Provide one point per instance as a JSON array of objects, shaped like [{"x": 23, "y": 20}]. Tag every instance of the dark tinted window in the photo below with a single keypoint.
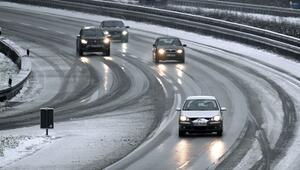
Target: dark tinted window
[
  {"x": 112, "y": 24},
  {"x": 169, "y": 41},
  {"x": 93, "y": 32},
  {"x": 201, "y": 104}
]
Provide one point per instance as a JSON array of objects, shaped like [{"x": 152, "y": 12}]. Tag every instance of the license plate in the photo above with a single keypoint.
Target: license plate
[
  {"x": 200, "y": 124},
  {"x": 171, "y": 55}
]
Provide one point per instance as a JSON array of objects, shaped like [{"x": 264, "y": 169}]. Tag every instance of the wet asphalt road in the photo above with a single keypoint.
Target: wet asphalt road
[{"x": 79, "y": 86}]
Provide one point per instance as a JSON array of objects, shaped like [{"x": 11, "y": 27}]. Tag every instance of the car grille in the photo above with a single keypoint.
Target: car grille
[
  {"x": 171, "y": 51},
  {"x": 114, "y": 32},
  {"x": 192, "y": 119},
  {"x": 94, "y": 42}
]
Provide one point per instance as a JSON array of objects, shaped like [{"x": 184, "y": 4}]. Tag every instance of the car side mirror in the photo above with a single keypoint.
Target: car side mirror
[
  {"x": 178, "y": 109},
  {"x": 223, "y": 109},
  {"x": 154, "y": 45},
  {"x": 127, "y": 27},
  {"x": 184, "y": 45}
]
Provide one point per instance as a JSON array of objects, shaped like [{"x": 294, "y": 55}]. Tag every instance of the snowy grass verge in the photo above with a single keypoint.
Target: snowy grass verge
[
  {"x": 284, "y": 25},
  {"x": 13, "y": 148}
]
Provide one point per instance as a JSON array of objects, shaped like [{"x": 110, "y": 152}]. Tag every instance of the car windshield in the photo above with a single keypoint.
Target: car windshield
[
  {"x": 92, "y": 32},
  {"x": 112, "y": 24},
  {"x": 200, "y": 104},
  {"x": 169, "y": 41}
]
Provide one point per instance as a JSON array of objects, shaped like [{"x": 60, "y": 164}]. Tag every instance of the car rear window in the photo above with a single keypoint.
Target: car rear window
[
  {"x": 169, "y": 41},
  {"x": 92, "y": 33},
  {"x": 201, "y": 104},
  {"x": 112, "y": 24}
]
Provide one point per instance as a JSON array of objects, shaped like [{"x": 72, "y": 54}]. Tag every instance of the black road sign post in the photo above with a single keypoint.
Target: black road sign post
[{"x": 47, "y": 119}]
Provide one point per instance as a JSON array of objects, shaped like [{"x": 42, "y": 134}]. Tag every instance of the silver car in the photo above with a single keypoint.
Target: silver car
[{"x": 201, "y": 114}]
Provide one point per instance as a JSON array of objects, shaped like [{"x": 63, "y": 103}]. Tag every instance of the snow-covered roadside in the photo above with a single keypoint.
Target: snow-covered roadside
[
  {"x": 7, "y": 68},
  {"x": 75, "y": 144},
  {"x": 259, "y": 17},
  {"x": 275, "y": 60}
]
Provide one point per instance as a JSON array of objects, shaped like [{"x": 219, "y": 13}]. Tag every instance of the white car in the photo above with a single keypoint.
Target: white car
[{"x": 201, "y": 114}]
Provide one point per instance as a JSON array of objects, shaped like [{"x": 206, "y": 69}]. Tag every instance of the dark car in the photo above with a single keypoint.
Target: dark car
[
  {"x": 92, "y": 39},
  {"x": 168, "y": 48},
  {"x": 115, "y": 29}
]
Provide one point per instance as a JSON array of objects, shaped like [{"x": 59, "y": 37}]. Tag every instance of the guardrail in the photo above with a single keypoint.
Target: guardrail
[
  {"x": 245, "y": 7},
  {"x": 18, "y": 56}
]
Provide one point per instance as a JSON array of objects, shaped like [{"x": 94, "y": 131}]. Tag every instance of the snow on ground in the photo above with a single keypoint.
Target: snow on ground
[
  {"x": 7, "y": 68},
  {"x": 252, "y": 156},
  {"x": 275, "y": 60},
  {"x": 261, "y": 17}
]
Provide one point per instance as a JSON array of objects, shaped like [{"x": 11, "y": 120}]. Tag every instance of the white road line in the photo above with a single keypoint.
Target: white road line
[
  {"x": 133, "y": 56},
  {"x": 43, "y": 28},
  {"x": 26, "y": 24},
  {"x": 164, "y": 88},
  {"x": 60, "y": 32},
  {"x": 183, "y": 165},
  {"x": 178, "y": 104},
  {"x": 175, "y": 88},
  {"x": 169, "y": 80}
]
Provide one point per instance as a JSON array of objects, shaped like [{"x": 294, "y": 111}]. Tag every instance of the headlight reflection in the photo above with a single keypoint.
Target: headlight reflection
[
  {"x": 84, "y": 60},
  {"x": 182, "y": 153},
  {"x": 216, "y": 150}
]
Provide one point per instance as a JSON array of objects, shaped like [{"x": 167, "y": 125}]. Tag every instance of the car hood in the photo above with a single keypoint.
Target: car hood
[
  {"x": 114, "y": 29},
  {"x": 199, "y": 113},
  {"x": 169, "y": 47},
  {"x": 92, "y": 38}
]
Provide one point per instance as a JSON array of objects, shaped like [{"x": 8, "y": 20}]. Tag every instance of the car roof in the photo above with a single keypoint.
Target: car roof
[
  {"x": 90, "y": 27},
  {"x": 167, "y": 37},
  {"x": 112, "y": 21},
  {"x": 201, "y": 97}
]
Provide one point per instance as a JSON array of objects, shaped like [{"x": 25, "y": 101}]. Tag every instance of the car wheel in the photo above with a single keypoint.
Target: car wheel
[
  {"x": 107, "y": 52},
  {"x": 182, "y": 60},
  {"x": 80, "y": 52},
  {"x": 220, "y": 132},
  {"x": 125, "y": 40},
  {"x": 156, "y": 60},
  {"x": 181, "y": 133}
]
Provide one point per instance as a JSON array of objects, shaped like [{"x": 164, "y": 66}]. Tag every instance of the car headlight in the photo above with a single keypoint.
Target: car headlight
[
  {"x": 161, "y": 51},
  {"x": 216, "y": 118},
  {"x": 124, "y": 33},
  {"x": 179, "y": 51},
  {"x": 83, "y": 41},
  {"x": 183, "y": 118},
  {"x": 106, "y": 40},
  {"x": 105, "y": 32}
]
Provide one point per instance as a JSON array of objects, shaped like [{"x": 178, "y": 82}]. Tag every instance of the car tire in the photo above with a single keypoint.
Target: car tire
[
  {"x": 125, "y": 40},
  {"x": 182, "y": 60},
  {"x": 220, "y": 132},
  {"x": 107, "y": 52},
  {"x": 80, "y": 52},
  {"x": 181, "y": 133},
  {"x": 155, "y": 59}
]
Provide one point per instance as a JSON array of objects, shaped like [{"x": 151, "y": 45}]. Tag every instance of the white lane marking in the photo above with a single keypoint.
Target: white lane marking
[
  {"x": 59, "y": 32},
  {"x": 169, "y": 80},
  {"x": 26, "y": 24},
  {"x": 133, "y": 56},
  {"x": 175, "y": 88},
  {"x": 6, "y": 20},
  {"x": 183, "y": 165},
  {"x": 178, "y": 96},
  {"x": 164, "y": 88},
  {"x": 43, "y": 28}
]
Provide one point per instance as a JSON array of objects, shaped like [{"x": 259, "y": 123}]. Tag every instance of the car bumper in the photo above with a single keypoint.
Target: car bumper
[
  {"x": 170, "y": 56},
  {"x": 210, "y": 127},
  {"x": 119, "y": 37},
  {"x": 89, "y": 48}
]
